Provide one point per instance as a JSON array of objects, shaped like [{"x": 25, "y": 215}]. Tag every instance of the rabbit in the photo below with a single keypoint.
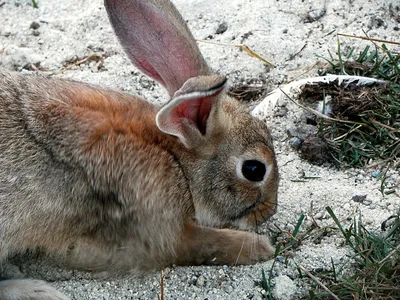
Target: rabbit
[{"x": 104, "y": 180}]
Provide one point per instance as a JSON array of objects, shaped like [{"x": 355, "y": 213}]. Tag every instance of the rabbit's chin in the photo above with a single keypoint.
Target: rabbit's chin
[
  {"x": 209, "y": 219},
  {"x": 251, "y": 218},
  {"x": 244, "y": 224},
  {"x": 255, "y": 218}
]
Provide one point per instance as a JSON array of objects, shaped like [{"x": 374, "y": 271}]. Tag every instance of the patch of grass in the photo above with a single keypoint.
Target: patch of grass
[
  {"x": 371, "y": 272},
  {"x": 35, "y": 4},
  {"x": 365, "y": 128},
  {"x": 376, "y": 263},
  {"x": 368, "y": 119},
  {"x": 290, "y": 243},
  {"x": 377, "y": 62}
]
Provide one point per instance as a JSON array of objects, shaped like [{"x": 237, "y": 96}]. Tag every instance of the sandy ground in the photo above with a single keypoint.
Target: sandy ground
[{"x": 290, "y": 33}]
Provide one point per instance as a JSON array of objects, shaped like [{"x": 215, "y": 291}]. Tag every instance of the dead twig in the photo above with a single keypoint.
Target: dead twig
[
  {"x": 383, "y": 125},
  {"x": 389, "y": 255},
  {"x": 368, "y": 39},
  {"x": 317, "y": 113},
  {"x": 161, "y": 296},
  {"x": 93, "y": 56},
  {"x": 318, "y": 282},
  {"x": 244, "y": 48}
]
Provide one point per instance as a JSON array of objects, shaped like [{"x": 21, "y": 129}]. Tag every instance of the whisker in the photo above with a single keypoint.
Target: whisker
[
  {"x": 256, "y": 222},
  {"x": 256, "y": 238},
  {"x": 240, "y": 251},
  {"x": 256, "y": 243}
]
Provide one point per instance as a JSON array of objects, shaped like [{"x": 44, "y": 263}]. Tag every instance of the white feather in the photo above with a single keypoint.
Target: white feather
[{"x": 294, "y": 88}]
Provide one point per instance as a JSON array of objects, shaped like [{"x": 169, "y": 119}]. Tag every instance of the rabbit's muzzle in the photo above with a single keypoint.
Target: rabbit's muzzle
[{"x": 256, "y": 214}]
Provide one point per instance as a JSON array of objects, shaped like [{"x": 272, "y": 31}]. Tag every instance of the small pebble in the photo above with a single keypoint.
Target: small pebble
[
  {"x": 290, "y": 227},
  {"x": 295, "y": 143},
  {"x": 222, "y": 28},
  {"x": 359, "y": 198},
  {"x": 228, "y": 289},
  {"x": 376, "y": 174},
  {"x": 360, "y": 178},
  {"x": 34, "y": 25},
  {"x": 193, "y": 280},
  {"x": 280, "y": 259},
  {"x": 200, "y": 281}
]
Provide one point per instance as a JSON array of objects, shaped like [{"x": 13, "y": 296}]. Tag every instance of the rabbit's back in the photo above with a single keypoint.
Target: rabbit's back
[{"x": 78, "y": 160}]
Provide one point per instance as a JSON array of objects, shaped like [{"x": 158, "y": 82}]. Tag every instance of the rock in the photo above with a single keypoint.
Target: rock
[
  {"x": 34, "y": 25},
  {"x": 200, "y": 281},
  {"x": 228, "y": 289},
  {"x": 359, "y": 198},
  {"x": 314, "y": 15},
  {"x": 222, "y": 28},
  {"x": 295, "y": 143},
  {"x": 290, "y": 227},
  {"x": 315, "y": 149},
  {"x": 284, "y": 288}
]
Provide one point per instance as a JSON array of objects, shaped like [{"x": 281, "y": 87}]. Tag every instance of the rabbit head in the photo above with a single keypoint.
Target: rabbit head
[{"x": 227, "y": 155}]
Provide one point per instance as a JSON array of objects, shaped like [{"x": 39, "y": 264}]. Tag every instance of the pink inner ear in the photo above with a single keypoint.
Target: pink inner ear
[
  {"x": 145, "y": 66},
  {"x": 157, "y": 40},
  {"x": 196, "y": 111}
]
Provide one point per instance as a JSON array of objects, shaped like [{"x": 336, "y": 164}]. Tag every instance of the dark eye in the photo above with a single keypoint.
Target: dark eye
[{"x": 253, "y": 170}]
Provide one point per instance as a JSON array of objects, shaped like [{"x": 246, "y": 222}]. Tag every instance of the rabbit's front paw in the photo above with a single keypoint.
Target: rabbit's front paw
[
  {"x": 204, "y": 245},
  {"x": 249, "y": 248}
]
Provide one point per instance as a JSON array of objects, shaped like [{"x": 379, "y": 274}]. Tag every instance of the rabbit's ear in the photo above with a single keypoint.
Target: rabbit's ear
[
  {"x": 157, "y": 40},
  {"x": 186, "y": 115}
]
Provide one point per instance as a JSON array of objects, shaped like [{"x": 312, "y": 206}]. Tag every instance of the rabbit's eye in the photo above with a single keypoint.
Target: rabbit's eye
[{"x": 253, "y": 170}]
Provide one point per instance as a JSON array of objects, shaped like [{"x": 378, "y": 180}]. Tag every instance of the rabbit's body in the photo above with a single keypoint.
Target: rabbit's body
[
  {"x": 107, "y": 181},
  {"x": 66, "y": 149}
]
